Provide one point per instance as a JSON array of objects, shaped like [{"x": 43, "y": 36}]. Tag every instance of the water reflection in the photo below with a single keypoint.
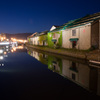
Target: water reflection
[
  {"x": 4, "y": 50},
  {"x": 78, "y": 72}
]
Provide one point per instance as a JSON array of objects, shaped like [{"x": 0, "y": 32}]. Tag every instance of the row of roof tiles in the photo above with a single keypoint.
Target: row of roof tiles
[
  {"x": 79, "y": 21},
  {"x": 38, "y": 33},
  {"x": 72, "y": 23}
]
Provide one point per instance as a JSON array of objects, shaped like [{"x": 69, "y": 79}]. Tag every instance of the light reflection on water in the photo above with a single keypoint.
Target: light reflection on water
[
  {"x": 5, "y": 50},
  {"x": 77, "y": 71},
  {"x": 24, "y": 76}
]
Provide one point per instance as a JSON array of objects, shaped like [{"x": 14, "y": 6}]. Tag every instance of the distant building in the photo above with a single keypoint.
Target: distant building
[
  {"x": 30, "y": 38},
  {"x": 42, "y": 38},
  {"x": 2, "y": 37},
  {"x": 38, "y": 38}
]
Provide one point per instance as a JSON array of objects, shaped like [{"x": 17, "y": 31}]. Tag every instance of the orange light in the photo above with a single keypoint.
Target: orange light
[
  {"x": 7, "y": 39},
  {"x": 5, "y": 53},
  {"x": 20, "y": 47},
  {"x": 12, "y": 50}
]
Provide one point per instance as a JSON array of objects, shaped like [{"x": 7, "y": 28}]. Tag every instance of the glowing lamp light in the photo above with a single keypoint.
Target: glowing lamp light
[
  {"x": 20, "y": 47},
  {"x": 1, "y": 51},
  {"x": 1, "y": 57},
  {"x": 12, "y": 50},
  {"x": 1, "y": 38},
  {"x": 7, "y": 46},
  {"x": 7, "y": 50},
  {"x": 4, "y": 37},
  {"x": 5, "y": 53},
  {"x": 7, "y": 39}
]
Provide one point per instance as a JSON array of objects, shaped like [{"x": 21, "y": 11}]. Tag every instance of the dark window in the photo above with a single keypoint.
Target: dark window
[
  {"x": 73, "y": 76},
  {"x": 54, "y": 67},
  {"x": 73, "y": 32},
  {"x": 43, "y": 42}
]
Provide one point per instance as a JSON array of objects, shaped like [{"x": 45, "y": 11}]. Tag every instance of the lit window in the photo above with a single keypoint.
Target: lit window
[{"x": 73, "y": 32}]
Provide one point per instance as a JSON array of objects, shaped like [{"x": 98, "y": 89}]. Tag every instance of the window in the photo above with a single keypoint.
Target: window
[
  {"x": 54, "y": 35},
  {"x": 38, "y": 42},
  {"x": 73, "y": 76},
  {"x": 73, "y": 32}
]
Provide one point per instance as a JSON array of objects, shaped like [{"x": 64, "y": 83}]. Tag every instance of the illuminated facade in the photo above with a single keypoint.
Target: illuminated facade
[
  {"x": 38, "y": 38},
  {"x": 82, "y": 34},
  {"x": 54, "y": 37},
  {"x": 77, "y": 37}
]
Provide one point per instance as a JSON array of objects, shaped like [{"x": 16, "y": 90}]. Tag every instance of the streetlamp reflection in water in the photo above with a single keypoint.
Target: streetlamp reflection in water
[{"x": 1, "y": 57}]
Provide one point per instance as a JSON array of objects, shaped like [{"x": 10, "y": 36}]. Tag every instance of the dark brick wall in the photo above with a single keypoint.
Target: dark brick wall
[{"x": 95, "y": 34}]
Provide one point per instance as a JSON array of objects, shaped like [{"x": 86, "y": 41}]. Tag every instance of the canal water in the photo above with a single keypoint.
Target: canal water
[{"x": 27, "y": 74}]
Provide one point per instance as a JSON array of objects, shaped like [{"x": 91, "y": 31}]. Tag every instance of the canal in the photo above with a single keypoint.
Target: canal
[{"x": 27, "y": 74}]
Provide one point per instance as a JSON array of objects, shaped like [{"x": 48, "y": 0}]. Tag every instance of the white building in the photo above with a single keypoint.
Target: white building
[
  {"x": 39, "y": 38},
  {"x": 77, "y": 37},
  {"x": 79, "y": 33}
]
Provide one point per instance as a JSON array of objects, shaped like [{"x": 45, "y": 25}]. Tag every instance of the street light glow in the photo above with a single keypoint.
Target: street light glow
[
  {"x": 1, "y": 51},
  {"x": 1, "y": 57}
]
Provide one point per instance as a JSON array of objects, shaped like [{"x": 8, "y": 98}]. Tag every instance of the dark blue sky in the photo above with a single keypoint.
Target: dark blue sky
[{"x": 21, "y": 16}]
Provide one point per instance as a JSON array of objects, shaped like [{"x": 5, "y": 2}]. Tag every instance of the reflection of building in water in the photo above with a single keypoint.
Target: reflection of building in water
[
  {"x": 55, "y": 64},
  {"x": 98, "y": 86},
  {"x": 94, "y": 83},
  {"x": 30, "y": 53},
  {"x": 77, "y": 72},
  {"x": 43, "y": 58},
  {"x": 5, "y": 49},
  {"x": 39, "y": 56},
  {"x": 81, "y": 74},
  {"x": 35, "y": 55},
  {"x": 86, "y": 76}
]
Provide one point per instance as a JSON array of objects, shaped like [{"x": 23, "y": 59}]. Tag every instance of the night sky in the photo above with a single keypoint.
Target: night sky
[{"x": 21, "y": 16}]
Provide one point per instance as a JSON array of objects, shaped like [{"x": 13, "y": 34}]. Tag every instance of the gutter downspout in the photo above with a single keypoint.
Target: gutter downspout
[{"x": 79, "y": 39}]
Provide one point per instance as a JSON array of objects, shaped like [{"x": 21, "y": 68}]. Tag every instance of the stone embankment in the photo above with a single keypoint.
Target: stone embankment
[{"x": 80, "y": 54}]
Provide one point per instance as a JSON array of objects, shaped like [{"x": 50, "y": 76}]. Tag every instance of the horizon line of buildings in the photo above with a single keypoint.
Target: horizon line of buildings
[{"x": 82, "y": 33}]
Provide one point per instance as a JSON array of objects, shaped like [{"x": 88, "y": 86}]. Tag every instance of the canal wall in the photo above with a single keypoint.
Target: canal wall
[{"x": 92, "y": 55}]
